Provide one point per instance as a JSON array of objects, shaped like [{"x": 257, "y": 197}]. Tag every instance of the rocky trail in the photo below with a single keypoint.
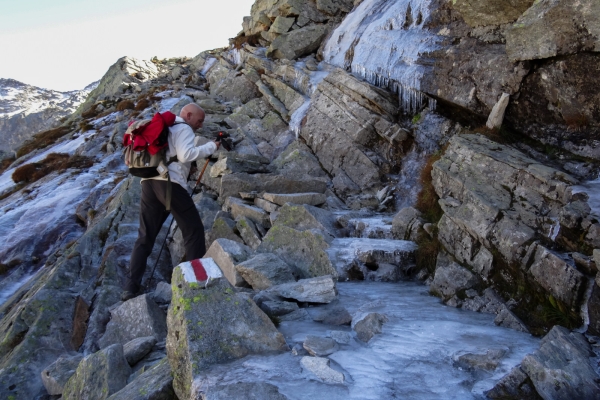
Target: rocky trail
[{"x": 374, "y": 241}]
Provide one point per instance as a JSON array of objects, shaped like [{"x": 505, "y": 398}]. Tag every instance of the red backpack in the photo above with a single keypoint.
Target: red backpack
[{"x": 145, "y": 146}]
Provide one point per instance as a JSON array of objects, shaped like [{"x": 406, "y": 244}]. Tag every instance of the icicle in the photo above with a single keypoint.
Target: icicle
[
  {"x": 208, "y": 64},
  {"x": 298, "y": 116}
]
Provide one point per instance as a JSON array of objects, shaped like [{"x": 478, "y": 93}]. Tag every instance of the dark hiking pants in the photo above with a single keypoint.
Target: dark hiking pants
[{"x": 152, "y": 217}]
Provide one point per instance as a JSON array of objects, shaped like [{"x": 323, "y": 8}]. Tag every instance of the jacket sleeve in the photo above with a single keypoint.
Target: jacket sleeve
[{"x": 186, "y": 151}]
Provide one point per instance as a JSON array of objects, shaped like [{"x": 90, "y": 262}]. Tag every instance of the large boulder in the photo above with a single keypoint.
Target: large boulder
[
  {"x": 450, "y": 278},
  {"x": 99, "y": 375},
  {"x": 303, "y": 217},
  {"x": 368, "y": 324},
  {"x": 298, "y": 43},
  {"x": 156, "y": 383},
  {"x": 561, "y": 368},
  {"x": 305, "y": 251},
  {"x": 213, "y": 325},
  {"x": 136, "y": 318},
  {"x": 265, "y": 270}
]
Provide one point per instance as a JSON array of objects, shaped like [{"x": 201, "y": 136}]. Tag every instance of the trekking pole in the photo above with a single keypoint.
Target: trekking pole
[{"x": 171, "y": 224}]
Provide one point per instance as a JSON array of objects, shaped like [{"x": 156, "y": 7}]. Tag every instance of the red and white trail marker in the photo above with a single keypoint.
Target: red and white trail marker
[{"x": 201, "y": 270}]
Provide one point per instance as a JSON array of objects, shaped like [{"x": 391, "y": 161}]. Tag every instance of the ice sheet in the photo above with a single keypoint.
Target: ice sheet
[{"x": 413, "y": 358}]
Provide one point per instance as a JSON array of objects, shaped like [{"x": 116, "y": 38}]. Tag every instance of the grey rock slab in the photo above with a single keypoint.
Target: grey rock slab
[
  {"x": 233, "y": 184},
  {"x": 242, "y": 390},
  {"x": 58, "y": 373},
  {"x": 239, "y": 209},
  {"x": 266, "y": 205},
  {"x": 231, "y": 162},
  {"x": 331, "y": 314},
  {"x": 320, "y": 346},
  {"x": 213, "y": 325},
  {"x": 320, "y": 367},
  {"x": 561, "y": 368},
  {"x": 156, "y": 383},
  {"x": 406, "y": 223},
  {"x": 556, "y": 276},
  {"x": 98, "y": 375},
  {"x": 282, "y": 25},
  {"x": 450, "y": 278},
  {"x": 515, "y": 385},
  {"x": 138, "y": 317},
  {"x": 227, "y": 254},
  {"x": 223, "y": 228},
  {"x": 304, "y": 251},
  {"x": 367, "y": 324},
  {"x": 162, "y": 293},
  {"x": 298, "y": 315},
  {"x": 278, "y": 308},
  {"x": 507, "y": 319},
  {"x": 248, "y": 232},
  {"x": 321, "y": 289},
  {"x": 313, "y": 199},
  {"x": 265, "y": 270},
  {"x": 304, "y": 217},
  {"x": 137, "y": 349}
]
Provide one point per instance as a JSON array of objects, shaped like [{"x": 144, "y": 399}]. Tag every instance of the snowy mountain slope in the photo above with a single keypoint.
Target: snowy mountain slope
[{"x": 26, "y": 110}]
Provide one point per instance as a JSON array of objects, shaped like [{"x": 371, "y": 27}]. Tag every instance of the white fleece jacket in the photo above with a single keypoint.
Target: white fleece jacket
[{"x": 181, "y": 144}]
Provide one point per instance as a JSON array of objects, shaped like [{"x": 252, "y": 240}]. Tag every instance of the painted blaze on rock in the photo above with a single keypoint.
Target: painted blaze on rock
[{"x": 209, "y": 325}]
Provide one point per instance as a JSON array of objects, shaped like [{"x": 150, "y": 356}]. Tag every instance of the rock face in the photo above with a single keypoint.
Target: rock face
[
  {"x": 341, "y": 150},
  {"x": 213, "y": 325},
  {"x": 547, "y": 29},
  {"x": 502, "y": 216}
]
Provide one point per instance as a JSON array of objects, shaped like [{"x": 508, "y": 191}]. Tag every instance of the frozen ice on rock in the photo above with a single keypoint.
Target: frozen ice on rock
[
  {"x": 393, "y": 37},
  {"x": 412, "y": 358}
]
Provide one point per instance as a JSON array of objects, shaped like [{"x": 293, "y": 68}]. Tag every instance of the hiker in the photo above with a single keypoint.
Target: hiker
[{"x": 154, "y": 198}]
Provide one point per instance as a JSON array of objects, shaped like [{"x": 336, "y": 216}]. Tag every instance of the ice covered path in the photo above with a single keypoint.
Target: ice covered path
[{"x": 426, "y": 351}]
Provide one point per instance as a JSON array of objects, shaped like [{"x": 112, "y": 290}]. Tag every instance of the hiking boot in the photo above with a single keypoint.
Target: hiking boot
[{"x": 127, "y": 295}]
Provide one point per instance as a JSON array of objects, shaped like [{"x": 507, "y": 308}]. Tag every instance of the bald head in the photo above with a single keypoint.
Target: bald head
[{"x": 193, "y": 115}]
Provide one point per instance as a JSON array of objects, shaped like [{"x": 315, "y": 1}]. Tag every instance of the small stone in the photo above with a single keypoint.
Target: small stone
[
  {"x": 320, "y": 347},
  {"x": 163, "y": 293},
  {"x": 331, "y": 314},
  {"x": 320, "y": 367},
  {"x": 298, "y": 350},
  {"x": 248, "y": 232},
  {"x": 136, "y": 349},
  {"x": 366, "y": 325}
]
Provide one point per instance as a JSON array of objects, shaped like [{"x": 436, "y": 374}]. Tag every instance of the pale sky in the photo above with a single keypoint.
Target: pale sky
[{"x": 68, "y": 44}]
